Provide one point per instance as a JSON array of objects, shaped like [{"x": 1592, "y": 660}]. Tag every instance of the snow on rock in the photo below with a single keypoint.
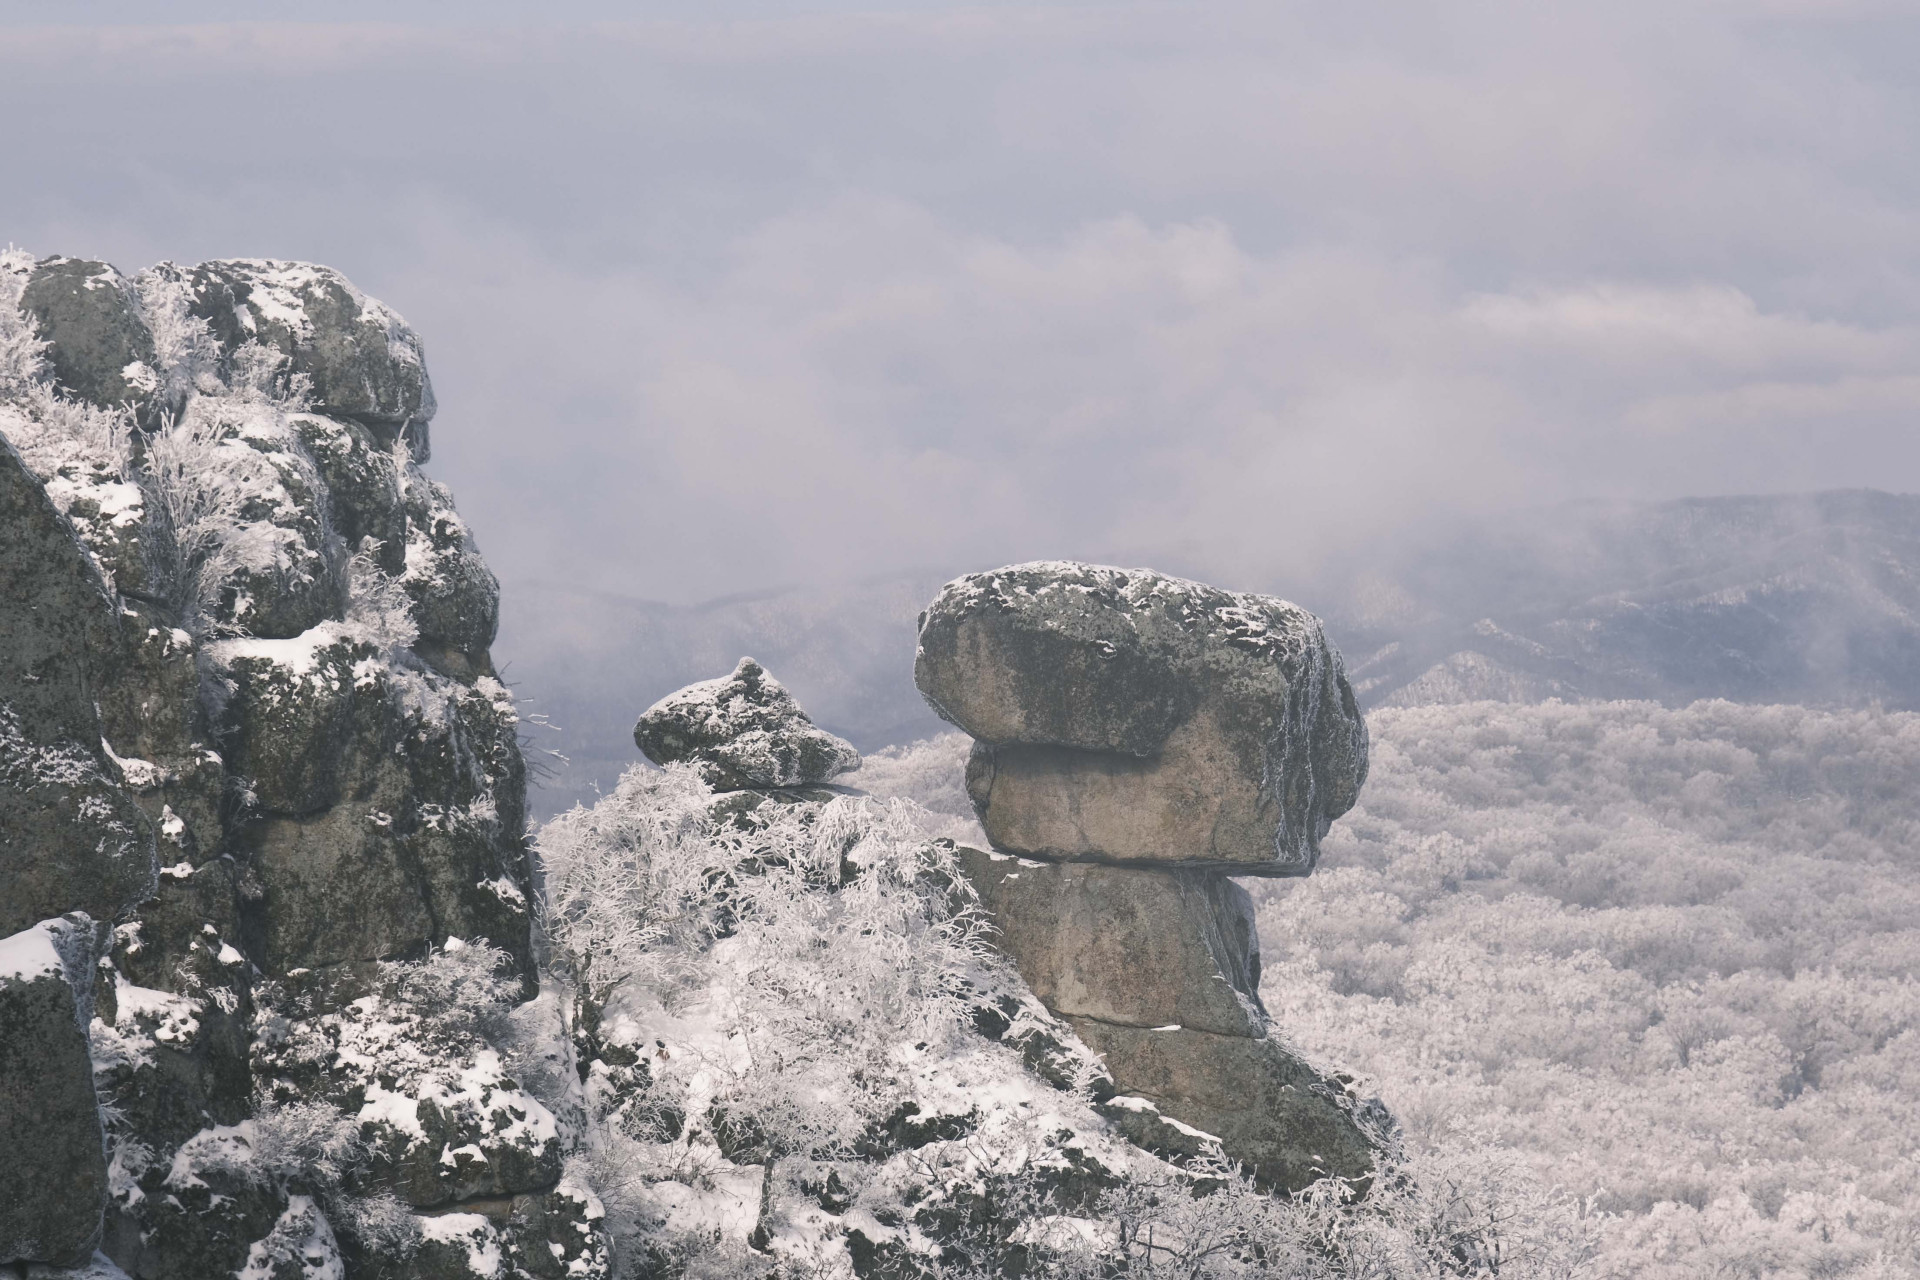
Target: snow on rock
[
  {"x": 742, "y": 730},
  {"x": 358, "y": 358},
  {"x": 53, "y": 1174},
  {"x": 300, "y": 1247},
  {"x": 70, "y": 836}
]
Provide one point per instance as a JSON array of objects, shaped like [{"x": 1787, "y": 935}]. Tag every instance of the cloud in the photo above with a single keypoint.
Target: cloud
[{"x": 1234, "y": 290}]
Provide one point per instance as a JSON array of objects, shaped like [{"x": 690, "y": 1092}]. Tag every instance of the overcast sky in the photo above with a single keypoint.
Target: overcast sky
[{"x": 738, "y": 294}]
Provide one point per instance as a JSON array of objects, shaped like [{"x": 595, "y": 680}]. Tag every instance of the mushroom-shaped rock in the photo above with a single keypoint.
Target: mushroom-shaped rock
[
  {"x": 1123, "y": 715},
  {"x": 53, "y": 1179},
  {"x": 742, "y": 730}
]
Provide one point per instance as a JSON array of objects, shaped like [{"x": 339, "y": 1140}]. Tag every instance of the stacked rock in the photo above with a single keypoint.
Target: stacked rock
[
  {"x": 1138, "y": 739},
  {"x": 744, "y": 733}
]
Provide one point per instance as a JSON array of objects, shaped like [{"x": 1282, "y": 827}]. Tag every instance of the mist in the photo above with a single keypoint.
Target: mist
[{"x": 719, "y": 304}]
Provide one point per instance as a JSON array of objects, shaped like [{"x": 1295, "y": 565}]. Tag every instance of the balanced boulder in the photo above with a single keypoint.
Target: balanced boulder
[
  {"x": 742, "y": 731},
  {"x": 1127, "y": 716},
  {"x": 1138, "y": 738}
]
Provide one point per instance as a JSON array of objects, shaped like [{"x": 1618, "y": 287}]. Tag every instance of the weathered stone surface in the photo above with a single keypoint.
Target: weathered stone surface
[
  {"x": 199, "y": 1224},
  {"x": 153, "y": 718},
  {"x": 290, "y": 715},
  {"x": 1139, "y": 947},
  {"x": 391, "y": 810},
  {"x": 363, "y": 487},
  {"x": 1129, "y": 716},
  {"x": 53, "y": 1165},
  {"x": 101, "y": 350},
  {"x": 70, "y": 836},
  {"x": 286, "y": 568},
  {"x": 742, "y": 730},
  {"x": 456, "y": 598},
  {"x": 99, "y": 1267},
  {"x": 1270, "y": 1110},
  {"x": 361, "y": 359},
  {"x": 171, "y": 1035}
]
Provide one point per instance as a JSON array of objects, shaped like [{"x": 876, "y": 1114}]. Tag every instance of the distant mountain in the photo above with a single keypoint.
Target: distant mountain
[
  {"x": 1808, "y": 598},
  {"x": 1811, "y": 598}
]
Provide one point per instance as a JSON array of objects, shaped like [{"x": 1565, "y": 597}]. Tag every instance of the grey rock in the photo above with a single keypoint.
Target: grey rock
[
  {"x": 391, "y": 804},
  {"x": 363, "y": 487},
  {"x": 99, "y": 1267},
  {"x": 289, "y": 714},
  {"x": 1131, "y": 946},
  {"x": 456, "y": 598},
  {"x": 362, "y": 360},
  {"x": 304, "y": 583},
  {"x": 1134, "y": 717},
  {"x": 172, "y": 1066},
  {"x": 153, "y": 717},
  {"x": 1288, "y": 1123},
  {"x": 53, "y": 1179},
  {"x": 742, "y": 730},
  {"x": 100, "y": 349},
  {"x": 194, "y": 1229},
  {"x": 70, "y": 835}
]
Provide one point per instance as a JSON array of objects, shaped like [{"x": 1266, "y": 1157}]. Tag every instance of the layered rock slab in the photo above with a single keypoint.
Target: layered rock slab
[{"x": 1128, "y": 716}]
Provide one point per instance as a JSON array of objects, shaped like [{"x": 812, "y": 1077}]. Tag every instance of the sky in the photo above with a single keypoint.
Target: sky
[{"x": 723, "y": 296}]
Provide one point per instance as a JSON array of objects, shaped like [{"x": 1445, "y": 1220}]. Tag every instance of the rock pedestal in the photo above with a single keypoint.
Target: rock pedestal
[{"x": 1138, "y": 738}]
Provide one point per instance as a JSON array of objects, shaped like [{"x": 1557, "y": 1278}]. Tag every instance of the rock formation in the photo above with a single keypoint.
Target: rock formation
[
  {"x": 53, "y": 1181},
  {"x": 1138, "y": 738},
  {"x": 743, "y": 731},
  {"x": 248, "y": 716}
]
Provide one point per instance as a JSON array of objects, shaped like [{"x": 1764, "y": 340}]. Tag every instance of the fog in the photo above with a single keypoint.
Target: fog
[{"x": 716, "y": 301}]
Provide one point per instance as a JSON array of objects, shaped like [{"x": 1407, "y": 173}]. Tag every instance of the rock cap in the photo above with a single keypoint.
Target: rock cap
[
  {"x": 743, "y": 730},
  {"x": 1127, "y": 715}
]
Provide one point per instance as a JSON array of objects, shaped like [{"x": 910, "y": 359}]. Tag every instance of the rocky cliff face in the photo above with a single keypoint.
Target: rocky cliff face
[
  {"x": 248, "y": 716},
  {"x": 1137, "y": 739}
]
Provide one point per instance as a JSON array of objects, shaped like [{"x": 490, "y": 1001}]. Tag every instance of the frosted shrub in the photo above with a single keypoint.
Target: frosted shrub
[
  {"x": 848, "y": 944},
  {"x": 623, "y": 880},
  {"x": 1665, "y": 956},
  {"x": 187, "y": 353},
  {"x": 932, "y": 774},
  {"x": 379, "y": 610},
  {"x": 22, "y": 353},
  {"x": 461, "y": 989},
  {"x": 206, "y": 482}
]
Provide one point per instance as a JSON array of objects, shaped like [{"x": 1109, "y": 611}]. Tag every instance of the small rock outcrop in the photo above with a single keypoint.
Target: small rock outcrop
[
  {"x": 1138, "y": 738},
  {"x": 743, "y": 731},
  {"x": 248, "y": 716},
  {"x": 53, "y": 1177}
]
